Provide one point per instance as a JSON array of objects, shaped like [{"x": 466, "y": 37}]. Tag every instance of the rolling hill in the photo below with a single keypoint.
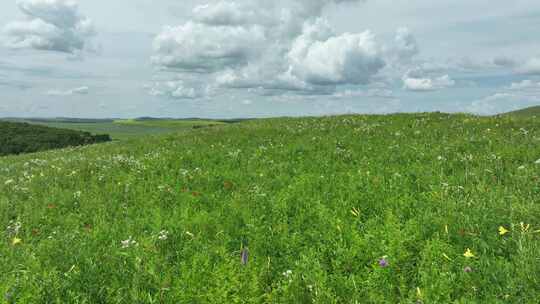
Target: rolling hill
[{"x": 527, "y": 112}]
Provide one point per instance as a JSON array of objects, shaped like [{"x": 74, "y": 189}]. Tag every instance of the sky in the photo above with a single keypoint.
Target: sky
[{"x": 255, "y": 58}]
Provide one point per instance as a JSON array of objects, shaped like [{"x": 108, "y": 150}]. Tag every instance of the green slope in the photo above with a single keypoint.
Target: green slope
[
  {"x": 350, "y": 209},
  {"x": 527, "y": 112}
]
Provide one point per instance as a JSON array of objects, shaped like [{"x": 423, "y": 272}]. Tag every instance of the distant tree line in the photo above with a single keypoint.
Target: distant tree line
[{"x": 16, "y": 138}]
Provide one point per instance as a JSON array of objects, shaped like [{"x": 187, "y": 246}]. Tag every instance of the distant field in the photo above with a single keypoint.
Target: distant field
[
  {"x": 126, "y": 129},
  {"x": 168, "y": 123}
]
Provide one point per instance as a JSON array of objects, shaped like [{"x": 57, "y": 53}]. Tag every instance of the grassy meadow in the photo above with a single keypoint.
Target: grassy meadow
[{"x": 423, "y": 208}]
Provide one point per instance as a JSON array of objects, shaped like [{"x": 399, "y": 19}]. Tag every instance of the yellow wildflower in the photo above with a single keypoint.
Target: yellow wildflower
[
  {"x": 16, "y": 241},
  {"x": 503, "y": 231},
  {"x": 468, "y": 254},
  {"x": 524, "y": 227}
]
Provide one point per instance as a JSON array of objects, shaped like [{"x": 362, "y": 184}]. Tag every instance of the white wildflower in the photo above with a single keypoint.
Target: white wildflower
[
  {"x": 163, "y": 235},
  {"x": 128, "y": 243},
  {"x": 13, "y": 228}
]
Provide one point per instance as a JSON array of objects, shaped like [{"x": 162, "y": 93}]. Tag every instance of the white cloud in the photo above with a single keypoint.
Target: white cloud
[
  {"x": 531, "y": 66},
  {"x": 412, "y": 81},
  {"x": 320, "y": 57},
  {"x": 525, "y": 85},
  {"x": 54, "y": 25},
  {"x": 205, "y": 48},
  {"x": 271, "y": 47},
  {"x": 177, "y": 89},
  {"x": 226, "y": 13},
  {"x": 373, "y": 92},
  {"x": 74, "y": 91},
  {"x": 405, "y": 44}
]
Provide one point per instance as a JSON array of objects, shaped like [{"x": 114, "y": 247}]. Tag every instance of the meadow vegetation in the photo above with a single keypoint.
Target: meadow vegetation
[{"x": 423, "y": 208}]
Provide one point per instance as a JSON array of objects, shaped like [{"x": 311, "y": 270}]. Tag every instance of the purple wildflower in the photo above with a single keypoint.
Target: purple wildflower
[
  {"x": 467, "y": 269},
  {"x": 244, "y": 256},
  {"x": 383, "y": 262}
]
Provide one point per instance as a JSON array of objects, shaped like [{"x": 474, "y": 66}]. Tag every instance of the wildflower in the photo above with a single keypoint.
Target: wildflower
[
  {"x": 383, "y": 262},
  {"x": 467, "y": 269},
  {"x": 468, "y": 254},
  {"x": 77, "y": 194},
  {"x": 128, "y": 243},
  {"x": 16, "y": 241},
  {"x": 287, "y": 273},
  {"x": 163, "y": 235},
  {"x": 521, "y": 168},
  {"x": 244, "y": 256},
  {"x": 537, "y": 162},
  {"x": 524, "y": 227},
  {"x": 503, "y": 231}
]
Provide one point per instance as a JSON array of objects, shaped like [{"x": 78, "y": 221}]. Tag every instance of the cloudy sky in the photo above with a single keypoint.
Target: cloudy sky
[{"x": 259, "y": 58}]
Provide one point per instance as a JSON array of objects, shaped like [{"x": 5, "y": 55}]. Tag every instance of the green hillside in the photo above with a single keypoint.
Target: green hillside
[
  {"x": 18, "y": 138},
  {"x": 424, "y": 208},
  {"x": 527, "y": 112}
]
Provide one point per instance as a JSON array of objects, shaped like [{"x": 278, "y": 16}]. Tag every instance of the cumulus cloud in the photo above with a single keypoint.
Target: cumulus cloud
[
  {"x": 69, "y": 92},
  {"x": 318, "y": 56},
  {"x": 53, "y": 25},
  {"x": 177, "y": 89},
  {"x": 269, "y": 48},
  {"x": 415, "y": 81},
  {"x": 406, "y": 46},
  {"x": 205, "y": 48}
]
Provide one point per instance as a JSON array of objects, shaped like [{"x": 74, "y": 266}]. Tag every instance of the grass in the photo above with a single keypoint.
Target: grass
[
  {"x": 127, "y": 129},
  {"x": 349, "y": 209}
]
